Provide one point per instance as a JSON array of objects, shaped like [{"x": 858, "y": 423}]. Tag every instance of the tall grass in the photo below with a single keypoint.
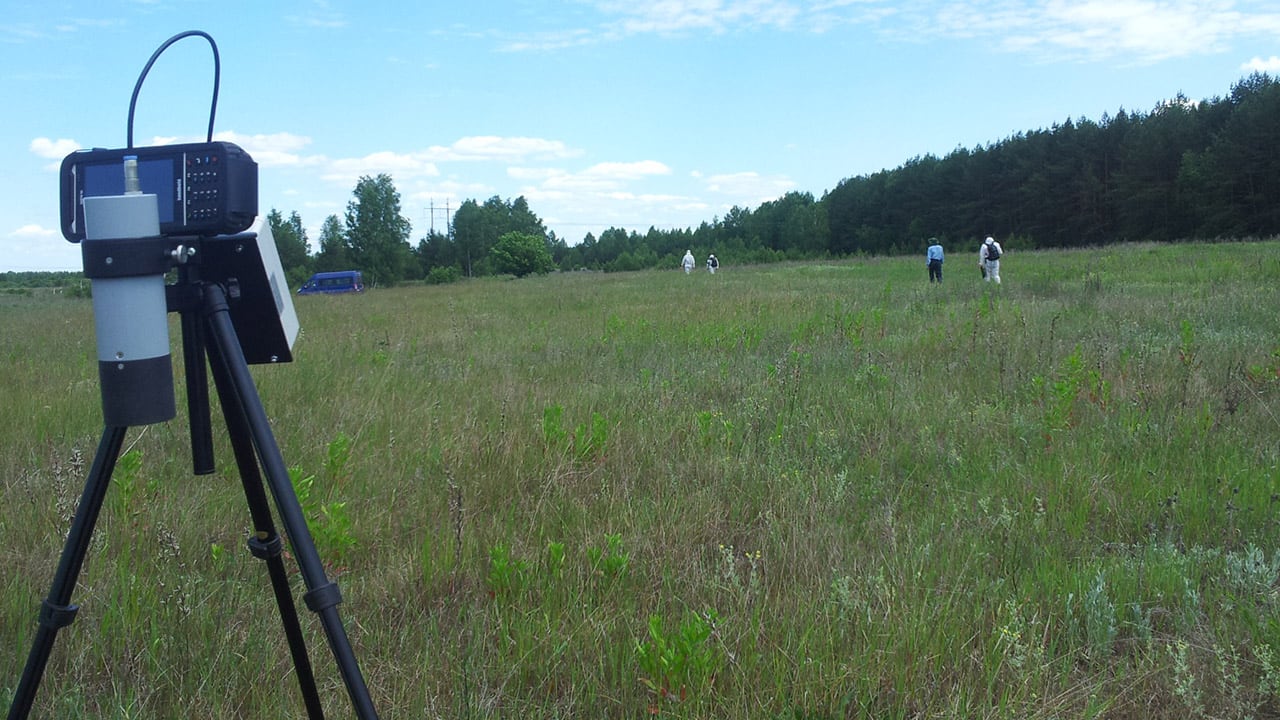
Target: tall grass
[{"x": 821, "y": 490}]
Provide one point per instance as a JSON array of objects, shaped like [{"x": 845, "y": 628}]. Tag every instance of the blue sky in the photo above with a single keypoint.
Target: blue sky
[{"x": 601, "y": 113}]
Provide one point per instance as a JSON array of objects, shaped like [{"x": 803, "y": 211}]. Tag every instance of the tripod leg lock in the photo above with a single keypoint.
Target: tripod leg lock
[
  {"x": 323, "y": 597},
  {"x": 56, "y": 617},
  {"x": 266, "y": 548}
]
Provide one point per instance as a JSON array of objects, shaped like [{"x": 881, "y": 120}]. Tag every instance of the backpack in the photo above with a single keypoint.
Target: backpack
[{"x": 993, "y": 251}]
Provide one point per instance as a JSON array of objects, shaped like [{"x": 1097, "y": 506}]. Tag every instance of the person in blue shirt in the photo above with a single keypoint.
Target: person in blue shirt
[{"x": 934, "y": 257}]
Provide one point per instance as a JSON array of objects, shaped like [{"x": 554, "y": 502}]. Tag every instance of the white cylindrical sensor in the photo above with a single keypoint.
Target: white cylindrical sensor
[{"x": 130, "y": 318}]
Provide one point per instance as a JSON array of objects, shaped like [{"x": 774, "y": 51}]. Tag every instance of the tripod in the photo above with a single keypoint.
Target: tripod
[{"x": 206, "y": 316}]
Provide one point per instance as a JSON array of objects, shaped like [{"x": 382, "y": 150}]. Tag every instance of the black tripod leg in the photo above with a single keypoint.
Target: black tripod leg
[
  {"x": 193, "y": 357},
  {"x": 266, "y": 543},
  {"x": 56, "y": 612},
  {"x": 322, "y": 595}
]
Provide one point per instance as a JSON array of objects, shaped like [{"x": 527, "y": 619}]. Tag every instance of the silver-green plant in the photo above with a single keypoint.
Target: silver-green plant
[
  {"x": 1251, "y": 571},
  {"x": 1185, "y": 686},
  {"x": 1099, "y": 619}
]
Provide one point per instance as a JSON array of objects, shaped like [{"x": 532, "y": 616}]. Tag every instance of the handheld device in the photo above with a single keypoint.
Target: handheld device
[{"x": 202, "y": 189}]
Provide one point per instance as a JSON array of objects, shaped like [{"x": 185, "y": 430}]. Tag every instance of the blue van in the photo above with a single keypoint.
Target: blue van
[{"x": 341, "y": 281}]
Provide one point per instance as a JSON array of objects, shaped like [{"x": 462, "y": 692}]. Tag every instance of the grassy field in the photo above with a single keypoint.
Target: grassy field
[{"x": 801, "y": 491}]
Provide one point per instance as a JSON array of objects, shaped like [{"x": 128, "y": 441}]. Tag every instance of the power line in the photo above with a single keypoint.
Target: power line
[{"x": 433, "y": 209}]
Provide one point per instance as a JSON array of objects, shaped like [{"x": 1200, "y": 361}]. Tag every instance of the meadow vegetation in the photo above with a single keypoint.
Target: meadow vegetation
[{"x": 810, "y": 490}]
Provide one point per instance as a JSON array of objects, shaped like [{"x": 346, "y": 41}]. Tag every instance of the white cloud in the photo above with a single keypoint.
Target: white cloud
[
  {"x": 507, "y": 149},
  {"x": 555, "y": 40},
  {"x": 601, "y": 178},
  {"x": 53, "y": 149},
  {"x": 580, "y": 182},
  {"x": 33, "y": 232},
  {"x": 447, "y": 194},
  {"x": 534, "y": 174},
  {"x": 1257, "y": 64},
  {"x": 618, "y": 194},
  {"x": 542, "y": 194},
  {"x": 627, "y": 171},
  {"x": 648, "y": 198},
  {"x": 1144, "y": 30},
  {"x": 749, "y": 187},
  {"x": 603, "y": 195},
  {"x": 693, "y": 206},
  {"x": 406, "y": 168},
  {"x": 401, "y": 166},
  {"x": 318, "y": 14},
  {"x": 675, "y": 16},
  {"x": 1149, "y": 30},
  {"x": 32, "y": 247},
  {"x": 22, "y": 32},
  {"x": 276, "y": 142},
  {"x": 273, "y": 150}
]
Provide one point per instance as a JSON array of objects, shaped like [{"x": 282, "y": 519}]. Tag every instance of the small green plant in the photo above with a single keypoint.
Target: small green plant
[
  {"x": 589, "y": 441},
  {"x": 610, "y": 561},
  {"x": 333, "y": 535},
  {"x": 675, "y": 666},
  {"x": 337, "y": 454},
  {"x": 705, "y": 427},
  {"x": 302, "y": 486},
  {"x": 125, "y": 479},
  {"x": 553, "y": 432},
  {"x": 1187, "y": 344},
  {"x": 507, "y": 575},
  {"x": 555, "y": 559},
  {"x": 218, "y": 555},
  {"x": 1060, "y": 395},
  {"x": 328, "y": 522},
  {"x": 1265, "y": 374},
  {"x": 715, "y": 429}
]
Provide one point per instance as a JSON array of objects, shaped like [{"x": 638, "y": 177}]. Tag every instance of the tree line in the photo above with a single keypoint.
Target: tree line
[{"x": 1183, "y": 170}]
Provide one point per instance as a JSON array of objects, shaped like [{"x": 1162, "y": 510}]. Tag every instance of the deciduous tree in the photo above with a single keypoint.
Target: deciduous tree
[
  {"x": 522, "y": 254},
  {"x": 377, "y": 234},
  {"x": 334, "y": 253},
  {"x": 291, "y": 244}
]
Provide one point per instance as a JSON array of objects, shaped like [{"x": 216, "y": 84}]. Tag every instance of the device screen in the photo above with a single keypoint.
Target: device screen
[{"x": 154, "y": 176}]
